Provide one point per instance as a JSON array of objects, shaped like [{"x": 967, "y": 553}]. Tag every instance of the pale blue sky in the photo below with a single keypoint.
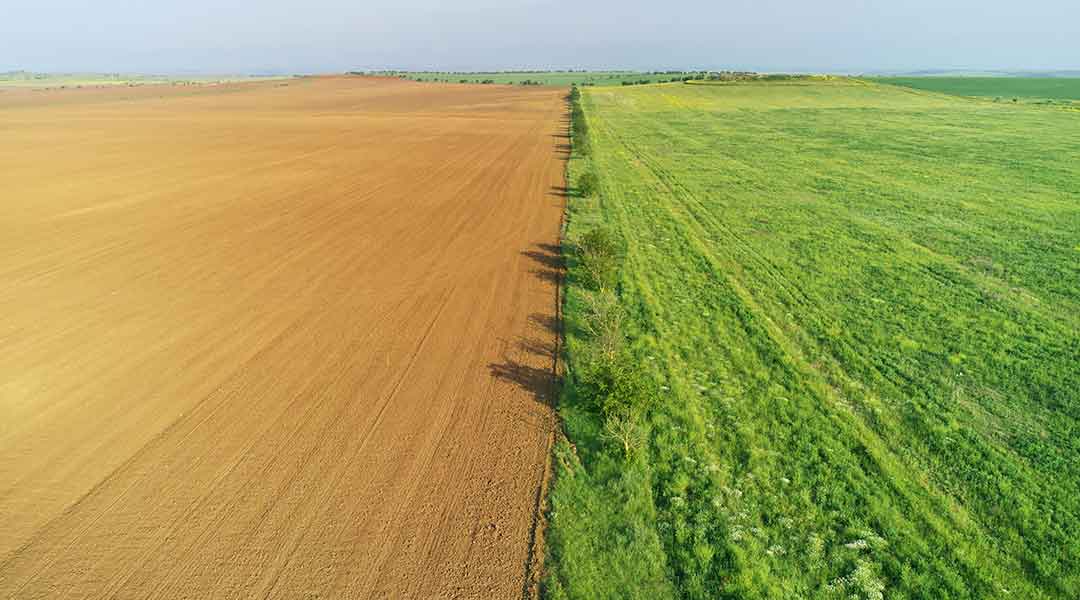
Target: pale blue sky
[{"x": 223, "y": 36}]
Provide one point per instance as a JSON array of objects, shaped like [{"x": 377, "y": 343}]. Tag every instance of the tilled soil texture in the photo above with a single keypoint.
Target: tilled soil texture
[{"x": 278, "y": 339}]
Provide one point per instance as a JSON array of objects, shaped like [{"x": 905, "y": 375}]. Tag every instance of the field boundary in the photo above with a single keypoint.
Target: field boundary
[{"x": 535, "y": 565}]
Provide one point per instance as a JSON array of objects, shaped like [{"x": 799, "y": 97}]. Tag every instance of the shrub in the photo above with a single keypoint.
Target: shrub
[
  {"x": 579, "y": 128},
  {"x": 599, "y": 255},
  {"x": 626, "y": 430},
  {"x": 602, "y": 320},
  {"x": 588, "y": 183},
  {"x": 617, "y": 389}
]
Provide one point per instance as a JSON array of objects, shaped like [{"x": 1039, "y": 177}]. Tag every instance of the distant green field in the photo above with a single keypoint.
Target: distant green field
[
  {"x": 556, "y": 78},
  {"x": 861, "y": 311},
  {"x": 1052, "y": 88}
]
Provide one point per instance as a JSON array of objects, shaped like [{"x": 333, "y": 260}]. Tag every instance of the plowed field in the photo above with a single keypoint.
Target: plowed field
[{"x": 276, "y": 339}]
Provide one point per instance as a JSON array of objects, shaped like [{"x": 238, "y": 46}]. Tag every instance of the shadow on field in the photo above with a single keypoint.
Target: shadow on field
[
  {"x": 565, "y": 191},
  {"x": 548, "y": 322},
  {"x": 541, "y": 348},
  {"x": 540, "y": 382},
  {"x": 563, "y": 147},
  {"x": 552, "y": 277},
  {"x": 554, "y": 249},
  {"x": 550, "y": 260}
]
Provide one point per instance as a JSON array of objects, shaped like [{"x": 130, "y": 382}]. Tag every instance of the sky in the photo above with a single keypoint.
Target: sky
[{"x": 315, "y": 36}]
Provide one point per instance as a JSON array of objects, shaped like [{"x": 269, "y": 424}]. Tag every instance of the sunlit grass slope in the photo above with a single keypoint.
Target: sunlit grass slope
[{"x": 861, "y": 306}]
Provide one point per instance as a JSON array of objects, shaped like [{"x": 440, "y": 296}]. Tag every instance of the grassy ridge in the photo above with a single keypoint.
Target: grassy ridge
[
  {"x": 861, "y": 308},
  {"x": 1054, "y": 88}
]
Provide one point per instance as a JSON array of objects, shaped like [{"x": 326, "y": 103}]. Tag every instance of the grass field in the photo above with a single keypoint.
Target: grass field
[
  {"x": 558, "y": 78},
  {"x": 860, "y": 308},
  {"x": 1041, "y": 88}
]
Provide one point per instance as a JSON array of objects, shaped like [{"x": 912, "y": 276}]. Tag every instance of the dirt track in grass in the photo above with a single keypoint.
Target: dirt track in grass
[{"x": 276, "y": 339}]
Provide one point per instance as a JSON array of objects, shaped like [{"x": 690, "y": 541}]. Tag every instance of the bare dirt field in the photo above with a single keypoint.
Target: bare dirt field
[{"x": 276, "y": 339}]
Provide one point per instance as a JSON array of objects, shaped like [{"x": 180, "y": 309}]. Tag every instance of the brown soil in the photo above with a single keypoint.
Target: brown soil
[{"x": 277, "y": 339}]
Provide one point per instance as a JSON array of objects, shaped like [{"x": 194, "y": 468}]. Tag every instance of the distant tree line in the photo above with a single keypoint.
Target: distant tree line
[{"x": 591, "y": 78}]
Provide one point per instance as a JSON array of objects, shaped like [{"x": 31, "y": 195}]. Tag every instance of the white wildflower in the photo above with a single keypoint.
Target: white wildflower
[
  {"x": 857, "y": 545},
  {"x": 775, "y": 550}
]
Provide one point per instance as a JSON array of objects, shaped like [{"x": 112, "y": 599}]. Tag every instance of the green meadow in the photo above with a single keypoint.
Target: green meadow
[
  {"x": 1006, "y": 88},
  {"x": 859, "y": 310}
]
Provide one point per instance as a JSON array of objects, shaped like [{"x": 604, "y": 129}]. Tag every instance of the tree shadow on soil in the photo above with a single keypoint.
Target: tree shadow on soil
[
  {"x": 548, "y": 322},
  {"x": 540, "y": 382},
  {"x": 548, "y": 257}
]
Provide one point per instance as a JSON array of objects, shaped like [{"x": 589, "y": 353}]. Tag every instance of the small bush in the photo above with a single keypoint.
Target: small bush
[
  {"x": 626, "y": 430},
  {"x": 598, "y": 257},
  {"x": 602, "y": 320},
  {"x": 618, "y": 388},
  {"x": 588, "y": 183},
  {"x": 579, "y": 128}
]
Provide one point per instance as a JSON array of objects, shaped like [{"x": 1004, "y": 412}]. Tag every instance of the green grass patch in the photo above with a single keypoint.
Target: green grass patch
[
  {"x": 1002, "y": 88},
  {"x": 859, "y": 311}
]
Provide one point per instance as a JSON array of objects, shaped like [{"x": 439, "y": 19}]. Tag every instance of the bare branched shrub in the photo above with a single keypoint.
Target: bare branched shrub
[
  {"x": 625, "y": 429},
  {"x": 603, "y": 321}
]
